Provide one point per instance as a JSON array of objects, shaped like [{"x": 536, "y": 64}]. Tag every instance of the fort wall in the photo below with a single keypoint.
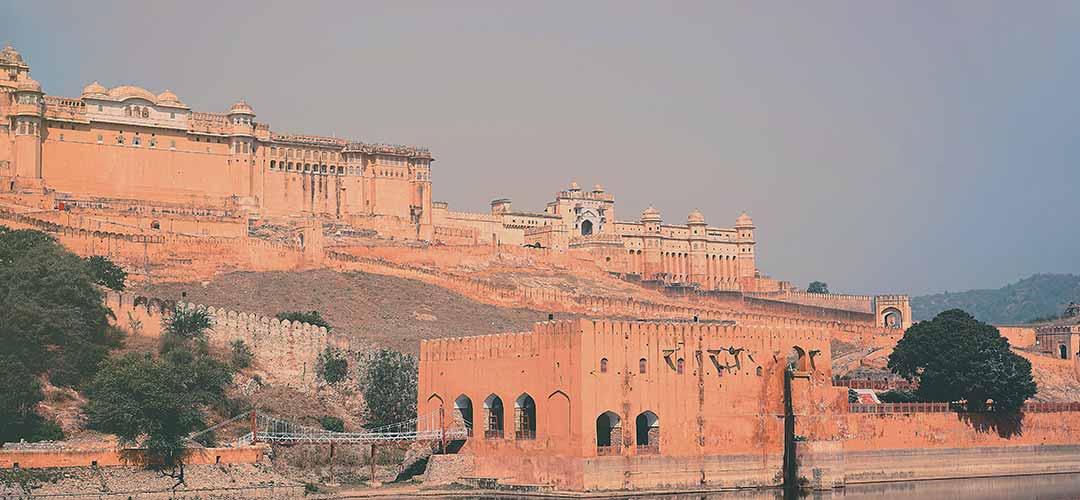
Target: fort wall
[
  {"x": 288, "y": 351},
  {"x": 39, "y": 458}
]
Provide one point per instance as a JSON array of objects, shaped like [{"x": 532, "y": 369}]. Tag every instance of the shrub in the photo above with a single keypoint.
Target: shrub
[
  {"x": 331, "y": 423},
  {"x": 310, "y": 317},
  {"x": 241, "y": 354},
  {"x": 389, "y": 387},
  {"x": 332, "y": 366},
  {"x": 106, "y": 273}
]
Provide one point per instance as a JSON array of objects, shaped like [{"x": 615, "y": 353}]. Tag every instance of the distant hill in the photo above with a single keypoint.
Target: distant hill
[{"x": 1037, "y": 296}]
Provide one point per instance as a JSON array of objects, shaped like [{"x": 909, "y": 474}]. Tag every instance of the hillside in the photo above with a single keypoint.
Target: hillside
[
  {"x": 387, "y": 311},
  {"x": 1037, "y": 296}
]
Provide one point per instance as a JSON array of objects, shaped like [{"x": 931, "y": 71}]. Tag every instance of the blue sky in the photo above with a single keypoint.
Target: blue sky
[{"x": 906, "y": 147}]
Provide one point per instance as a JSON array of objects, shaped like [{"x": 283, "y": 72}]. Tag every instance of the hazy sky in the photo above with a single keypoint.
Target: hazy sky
[{"x": 910, "y": 147}]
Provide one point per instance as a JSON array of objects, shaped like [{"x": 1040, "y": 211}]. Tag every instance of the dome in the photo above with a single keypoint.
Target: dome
[
  {"x": 744, "y": 221},
  {"x": 650, "y": 214},
  {"x": 598, "y": 189},
  {"x": 574, "y": 186},
  {"x": 9, "y": 54},
  {"x": 29, "y": 85},
  {"x": 94, "y": 89},
  {"x": 131, "y": 91},
  {"x": 241, "y": 107},
  {"x": 695, "y": 217},
  {"x": 168, "y": 97}
]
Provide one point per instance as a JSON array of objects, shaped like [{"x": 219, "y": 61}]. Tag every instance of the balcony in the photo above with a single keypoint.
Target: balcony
[
  {"x": 493, "y": 434},
  {"x": 525, "y": 435}
]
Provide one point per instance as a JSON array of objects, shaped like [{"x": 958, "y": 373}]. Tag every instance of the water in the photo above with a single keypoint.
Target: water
[{"x": 1046, "y": 487}]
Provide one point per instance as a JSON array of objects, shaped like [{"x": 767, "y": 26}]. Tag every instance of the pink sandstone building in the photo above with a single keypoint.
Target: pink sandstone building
[{"x": 127, "y": 143}]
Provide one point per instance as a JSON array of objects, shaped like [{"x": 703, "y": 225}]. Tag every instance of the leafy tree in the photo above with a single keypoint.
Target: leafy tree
[
  {"x": 389, "y": 387},
  {"x": 332, "y": 366},
  {"x": 310, "y": 317},
  {"x": 105, "y": 273},
  {"x": 187, "y": 323},
  {"x": 852, "y": 396},
  {"x": 898, "y": 397},
  {"x": 956, "y": 358},
  {"x": 331, "y": 423},
  {"x": 20, "y": 392},
  {"x": 148, "y": 403},
  {"x": 241, "y": 354},
  {"x": 818, "y": 287},
  {"x": 52, "y": 315}
]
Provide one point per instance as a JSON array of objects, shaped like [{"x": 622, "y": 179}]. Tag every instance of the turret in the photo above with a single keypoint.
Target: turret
[
  {"x": 744, "y": 225},
  {"x": 651, "y": 255},
  {"x": 28, "y": 111},
  {"x": 698, "y": 272},
  {"x": 242, "y": 127}
]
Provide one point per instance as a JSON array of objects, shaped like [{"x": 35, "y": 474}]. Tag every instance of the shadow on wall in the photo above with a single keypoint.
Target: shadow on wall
[{"x": 1004, "y": 425}]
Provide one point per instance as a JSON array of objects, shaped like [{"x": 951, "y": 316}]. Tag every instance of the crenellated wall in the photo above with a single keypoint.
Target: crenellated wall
[{"x": 285, "y": 350}]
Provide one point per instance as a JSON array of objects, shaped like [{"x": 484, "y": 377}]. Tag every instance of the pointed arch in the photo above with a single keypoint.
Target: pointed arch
[
  {"x": 608, "y": 433},
  {"x": 463, "y": 413},
  {"x": 493, "y": 417},
  {"x": 524, "y": 417}
]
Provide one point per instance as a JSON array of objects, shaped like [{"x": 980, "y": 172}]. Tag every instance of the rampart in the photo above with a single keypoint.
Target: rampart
[
  {"x": 286, "y": 350},
  {"x": 856, "y": 303}
]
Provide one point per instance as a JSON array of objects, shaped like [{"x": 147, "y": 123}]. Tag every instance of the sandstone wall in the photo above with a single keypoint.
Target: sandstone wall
[
  {"x": 30, "y": 459},
  {"x": 287, "y": 351}
]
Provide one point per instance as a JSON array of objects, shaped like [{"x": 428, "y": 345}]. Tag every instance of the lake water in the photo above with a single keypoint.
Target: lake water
[{"x": 1047, "y": 487}]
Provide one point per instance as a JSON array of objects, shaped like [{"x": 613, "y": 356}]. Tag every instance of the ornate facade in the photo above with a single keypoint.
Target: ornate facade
[{"x": 127, "y": 143}]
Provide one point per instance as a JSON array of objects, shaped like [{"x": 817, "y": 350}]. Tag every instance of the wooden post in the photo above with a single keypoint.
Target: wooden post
[
  {"x": 254, "y": 428},
  {"x": 372, "y": 462},
  {"x": 442, "y": 429},
  {"x": 331, "y": 461}
]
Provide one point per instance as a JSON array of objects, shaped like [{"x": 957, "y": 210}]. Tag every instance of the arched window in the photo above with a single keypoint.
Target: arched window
[
  {"x": 642, "y": 365},
  {"x": 647, "y": 431},
  {"x": 679, "y": 366},
  {"x": 524, "y": 418},
  {"x": 493, "y": 417},
  {"x": 155, "y": 225},
  {"x": 1063, "y": 351},
  {"x": 463, "y": 414},
  {"x": 759, "y": 371},
  {"x": 603, "y": 365},
  {"x": 272, "y": 164},
  {"x": 608, "y": 433}
]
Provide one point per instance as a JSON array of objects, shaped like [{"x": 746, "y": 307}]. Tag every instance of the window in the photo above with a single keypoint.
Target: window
[
  {"x": 603, "y": 365},
  {"x": 120, "y": 138},
  {"x": 172, "y": 144},
  {"x": 642, "y": 365},
  {"x": 271, "y": 164},
  {"x": 136, "y": 141},
  {"x": 679, "y": 366},
  {"x": 153, "y": 142},
  {"x": 172, "y": 115},
  {"x": 61, "y": 137},
  {"x": 99, "y": 107},
  {"x": 100, "y": 138}
]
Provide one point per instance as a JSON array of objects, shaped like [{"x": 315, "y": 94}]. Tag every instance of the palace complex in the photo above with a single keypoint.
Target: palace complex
[{"x": 683, "y": 364}]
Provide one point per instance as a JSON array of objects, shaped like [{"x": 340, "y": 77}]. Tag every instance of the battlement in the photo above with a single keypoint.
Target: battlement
[
  {"x": 388, "y": 149},
  {"x": 858, "y": 303},
  {"x": 564, "y": 334},
  {"x": 308, "y": 140}
]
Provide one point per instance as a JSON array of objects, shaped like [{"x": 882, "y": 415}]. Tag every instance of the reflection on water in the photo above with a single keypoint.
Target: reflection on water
[{"x": 1048, "y": 487}]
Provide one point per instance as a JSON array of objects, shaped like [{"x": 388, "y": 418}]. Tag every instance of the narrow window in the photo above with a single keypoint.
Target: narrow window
[
  {"x": 603, "y": 365},
  {"x": 679, "y": 366},
  {"x": 642, "y": 365}
]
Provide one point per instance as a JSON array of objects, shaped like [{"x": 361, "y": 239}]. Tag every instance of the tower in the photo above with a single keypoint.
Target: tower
[
  {"x": 744, "y": 226},
  {"x": 698, "y": 245},
  {"x": 652, "y": 264},
  {"x": 27, "y": 116},
  {"x": 242, "y": 144}
]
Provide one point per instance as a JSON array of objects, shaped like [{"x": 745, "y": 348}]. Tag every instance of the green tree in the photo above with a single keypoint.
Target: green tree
[
  {"x": 331, "y": 365},
  {"x": 146, "y": 402},
  {"x": 389, "y": 387},
  {"x": 310, "y": 317},
  {"x": 20, "y": 392},
  {"x": 818, "y": 287},
  {"x": 51, "y": 314},
  {"x": 956, "y": 358},
  {"x": 106, "y": 273},
  {"x": 241, "y": 354}
]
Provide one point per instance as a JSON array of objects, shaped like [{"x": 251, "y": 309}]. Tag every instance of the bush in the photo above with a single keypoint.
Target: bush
[
  {"x": 389, "y": 388},
  {"x": 852, "y": 396},
  {"x": 20, "y": 392},
  {"x": 331, "y": 423},
  {"x": 241, "y": 354},
  {"x": 898, "y": 397},
  {"x": 310, "y": 317},
  {"x": 332, "y": 366}
]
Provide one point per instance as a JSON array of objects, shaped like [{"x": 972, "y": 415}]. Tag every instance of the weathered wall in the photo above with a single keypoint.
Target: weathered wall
[
  {"x": 1018, "y": 335},
  {"x": 29, "y": 459},
  {"x": 286, "y": 350}
]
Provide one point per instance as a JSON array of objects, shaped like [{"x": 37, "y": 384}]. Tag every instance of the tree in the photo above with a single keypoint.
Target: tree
[
  {"x": 145, "y": 402},
  {"x": 310, "y": 317},
  {"x": 332, "y": 423},
  {"x": 20, "y": 392},
  {"x": 53, "y": 318},
  {"x": 956, "y": 358},
  {"x": 389, "y": 388},
  {"x": 105, "y": 273},
  {"x": 818, "y": 287},
  {"x": 241, "y": 354},
  {"x": 331, "y": 365}
]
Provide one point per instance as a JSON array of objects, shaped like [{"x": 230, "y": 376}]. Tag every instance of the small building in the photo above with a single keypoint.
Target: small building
[
  {"x": 599, "y": 404},
  {"x": 1059, "y": 341}
]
